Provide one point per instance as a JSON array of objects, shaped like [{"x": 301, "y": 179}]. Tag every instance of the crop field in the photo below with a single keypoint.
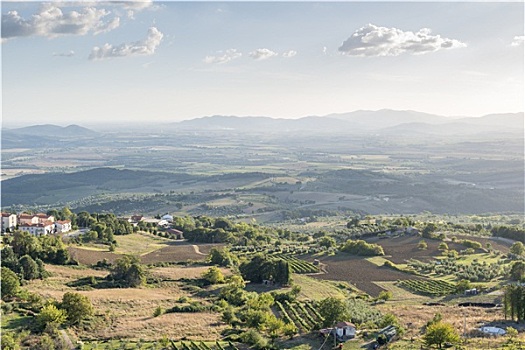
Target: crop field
[
  {"x": 360, "y": 273},
  {"x": 298, "y": 265},
  {"x": 428, "y": 287},
  {"x": 303, "y": 315},
  {"x": 398, "y": 249},
  {"x": 89, "y": 257}
]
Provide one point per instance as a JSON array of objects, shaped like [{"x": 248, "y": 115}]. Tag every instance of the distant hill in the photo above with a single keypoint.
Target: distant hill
[
  {"x": 45, "y": 135},
  {"x": 362, "y": 121},
  {"x": 51, "y": 130},
  {"x": 263, "y": 124},
  {"x": 49, "y": 188}
]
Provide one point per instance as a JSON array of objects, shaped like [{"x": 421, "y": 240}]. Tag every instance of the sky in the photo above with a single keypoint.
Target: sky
[{"x": 127, "y": 62}]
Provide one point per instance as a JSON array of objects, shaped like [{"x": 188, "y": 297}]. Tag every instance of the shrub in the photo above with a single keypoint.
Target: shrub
[{"x": 360, "y": 247}]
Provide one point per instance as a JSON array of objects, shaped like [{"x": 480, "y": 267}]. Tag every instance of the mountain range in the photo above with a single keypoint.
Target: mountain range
[{"x": 382, "y": 121}]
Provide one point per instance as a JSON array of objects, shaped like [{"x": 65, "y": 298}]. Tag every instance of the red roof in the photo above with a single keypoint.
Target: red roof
[
  {"x": 5, "y": 215},
  {"x": 26, "y": 216},
  {"x": 62, "y": 222}
]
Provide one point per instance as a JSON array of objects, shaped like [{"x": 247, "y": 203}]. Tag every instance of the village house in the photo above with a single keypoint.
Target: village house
[
  {"x": 62, "y": 226},
  {"x": 9, "y": 222},
  {"x": 27, "y": 219},
  {"x": 39, "y": 229},
  {"x": 136, "y": 218},
  {"x": 178, "y": 234},
  {"x": 345, "y": 330},
  {"x": 42, "y": 218}
]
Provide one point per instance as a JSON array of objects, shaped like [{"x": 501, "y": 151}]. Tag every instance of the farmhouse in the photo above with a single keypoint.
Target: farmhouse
[
  {"x": 167, "y": 217},
  {"x": 40, "y": 229},
  {"x": 27, "y": 219},
  {"x": 9, "y": 222},
  {"x": 44, "y": 218},
  {"x": 345, "y": 330},
  {"x": 178, "y": 234},
  {"x": 136, "y": 218},
  {"x": 63, "y": 226}
]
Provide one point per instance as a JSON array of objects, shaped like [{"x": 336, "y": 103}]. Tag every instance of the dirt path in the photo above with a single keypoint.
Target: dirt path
[{"x": 196, "y": 248}]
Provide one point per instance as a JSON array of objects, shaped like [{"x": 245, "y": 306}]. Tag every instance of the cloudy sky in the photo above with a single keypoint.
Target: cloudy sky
[{"x": 90, "y": 62}]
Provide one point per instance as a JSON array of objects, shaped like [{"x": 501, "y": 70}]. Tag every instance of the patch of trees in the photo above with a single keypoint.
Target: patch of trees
[
  {"x": 128, "y": 272},
  {"x": 512, "y": 232},
  {"x": 205, "y": 229},
  {"x": 25, "y": 254},
  {"x": 514, "y": 302},
  {"x": 103, "y": 227},
  {"x": 222, "y": 257},
  {"x": 474, "y": 272},
  {"x": 261, "y": 268},
  {"x": 471, "y": 244},
  {"x": 362, "y": 248}
]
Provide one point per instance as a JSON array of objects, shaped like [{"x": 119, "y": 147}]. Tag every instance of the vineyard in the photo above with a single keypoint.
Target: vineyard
[
  {"x": 161, "y": 345},
  {"x": 428, "y": 287},
  {"x": 202, "y": 346},
  {"x": 303, "y": 315},
  {"x": 475, "y": 272},
  {"x": 298, "y": 265}
]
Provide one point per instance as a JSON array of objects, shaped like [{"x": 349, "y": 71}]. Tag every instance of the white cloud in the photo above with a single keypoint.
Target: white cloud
[
  {"x": 262, "y": 54},
  {"x": 518, "y": 41},
  {"x": 372, "y": 40},
  {"x": 137, "y": 48},
  {"x": 223, "y": 56},
  {"x": 51, "y": 22},
  {"x": 289, "y": 54},
  {"x": 64, "y": 54}
]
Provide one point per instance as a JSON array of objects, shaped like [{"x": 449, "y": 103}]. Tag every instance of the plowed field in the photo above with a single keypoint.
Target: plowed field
[{"x": 359, "y": 272}]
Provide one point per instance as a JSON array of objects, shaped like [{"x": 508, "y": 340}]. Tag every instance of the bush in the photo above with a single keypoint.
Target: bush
[{"x": 362, "y": 248}]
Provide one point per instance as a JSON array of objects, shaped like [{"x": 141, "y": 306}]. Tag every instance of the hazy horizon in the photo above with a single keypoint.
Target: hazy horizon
[{"x": 129, "y": 62}]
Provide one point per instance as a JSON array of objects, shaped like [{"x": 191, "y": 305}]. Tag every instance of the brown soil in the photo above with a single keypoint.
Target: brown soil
[{"x": 359, "y": 272}]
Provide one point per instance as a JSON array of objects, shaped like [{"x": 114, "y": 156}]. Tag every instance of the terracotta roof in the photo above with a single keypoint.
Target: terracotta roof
[
  {"x": 5, "y": 215},
  {"x": 62, "y": 222},
  {"x": 26, "y": 216}
]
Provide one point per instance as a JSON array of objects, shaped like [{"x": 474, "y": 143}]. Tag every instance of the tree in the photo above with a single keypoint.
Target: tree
[
  {"x": 222, "y": 257},
  {"x": 9, "y": 283},
  {"x": 385, "y": 295},
  {"x": 77, "y": 307},
  {"x": 25, "y": 243},
  {"x": 517, "y": 271},
  {"x": 514, "y": 302},
  {"x": 428, "y": 231},
  {"x": 462, "y": 286},
  {"x": 29, "y": 267},
  {"x": 213, "y": 275},
  {"x": 443, "y": 246},
  {"x": 129, "y": 271},
  {"x": 517, "y": 248},
  {"x": 422, "y": 245},
  {"x": 440, "y": 333},
  {"x": 327, "y": 242},
  {"x": 50, "y": 316},
  {"x": 332, "y": 310}
]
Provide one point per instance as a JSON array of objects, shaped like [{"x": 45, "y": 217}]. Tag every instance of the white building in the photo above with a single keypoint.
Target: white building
[
  {"x": 63, "y": 226},
  {"x": 9, "y": 221},
  {"x": 45, "y": 228}
]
